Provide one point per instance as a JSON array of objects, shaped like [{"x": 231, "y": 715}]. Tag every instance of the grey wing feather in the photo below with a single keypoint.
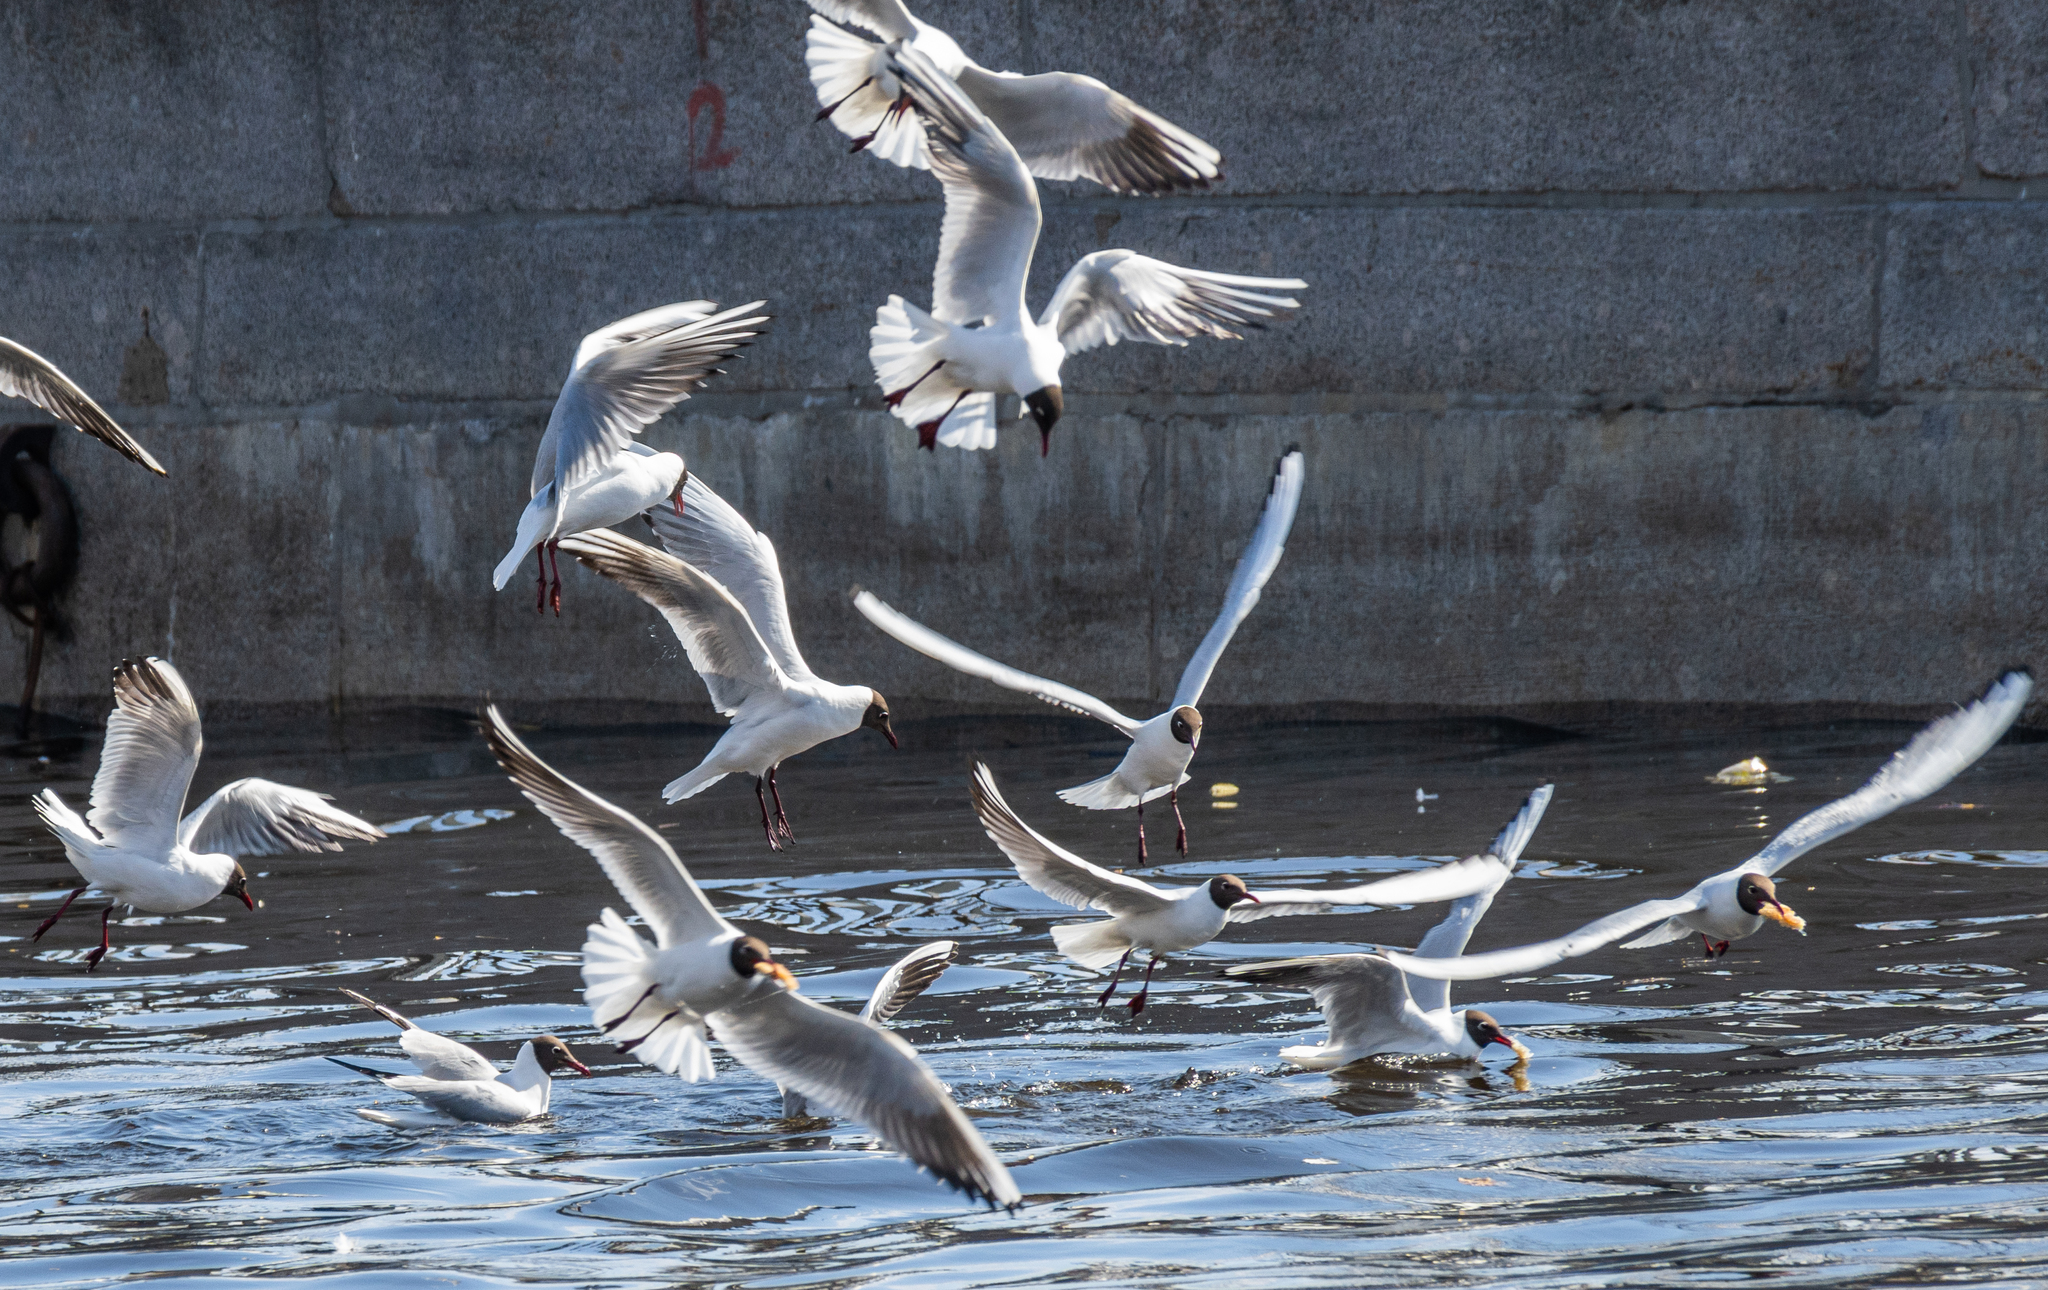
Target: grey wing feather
[
  {"x": 856, "y": 1069},
  {"x": 721, "y": 640},
  {"x": 961, "y": 659},
  {"x": 256, "y": 817},
  {"x": 886, "y": 18},
  {"x": 25, "y": 374},
  {"x": 639, "y": 863},
  {"x": 147, "y": 759},
  {"x": 713, "y": 537},
  {"x": 1542, "y": 954},
  {"x": 1261, "y": 557},
  {"x": 1052, "y": 869},
  {"x": 1068, "y": 126},
  {"x": 1450, "y": 936},
  {"x": 1447, "y": 881},
  {"x": 1935, "y": 756},
  {"x": 908, "y": 978},
  {"x": 1358, "y": 993},
  {"x": 437, "y": 1056},
  {"x": 1118, "y": 295}
]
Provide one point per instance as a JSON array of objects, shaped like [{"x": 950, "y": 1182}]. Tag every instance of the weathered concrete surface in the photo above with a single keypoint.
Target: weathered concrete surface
[{"x": 1688, "y": 353}]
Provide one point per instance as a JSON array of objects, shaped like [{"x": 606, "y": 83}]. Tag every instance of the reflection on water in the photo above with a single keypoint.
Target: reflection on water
[{"x": 1862, "y": 1105}]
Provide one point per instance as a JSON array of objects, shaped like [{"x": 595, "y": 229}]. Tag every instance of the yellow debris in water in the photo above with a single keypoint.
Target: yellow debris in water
[
  {"x": 1223, "y": 806},
  {"x": 1222, "y": 790},
  {"x": 1750, "y": 771}
]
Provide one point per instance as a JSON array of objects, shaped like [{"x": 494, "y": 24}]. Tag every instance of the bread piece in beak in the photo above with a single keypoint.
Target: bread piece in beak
[{"x": 1781, "y": 914}]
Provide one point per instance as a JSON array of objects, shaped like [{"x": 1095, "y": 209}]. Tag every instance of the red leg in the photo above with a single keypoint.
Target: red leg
[
  {"x": 781, "y": 820},
  {"x": 540, "y": 560},
  {"x": 1138, "y": 1003},
  {"x": 51, "y": 921},
  {"x": 615, "y": 1022},
  {"x": 92, "y": 960},
  {"x": 1142, "y": 858},
  {"x": 1181, "y": 837},
  {"x": 766, "y": 827},
  {"x": 1115, "y": 977},
  {"x": 825, "y": 112},
  {"x": 631, "y": 1044},
  {"x": 928, "y": 431},
  {"x": 895, "y": 400},
  {"x": 555, "y": 562}
]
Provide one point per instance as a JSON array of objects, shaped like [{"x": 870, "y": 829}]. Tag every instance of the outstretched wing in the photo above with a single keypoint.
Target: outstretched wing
[
  {"x": 1052, "y": 869},
  {"x": 886, "y": 18},
  {"x": 1067, "y": 126},
  {"x": 1934, "y": 757},
  {"x": 1120, "y": 295},
  {"x": 146, "y": 762},
  {"x": 1424, "y": 887},
  {"x": 437, "y": 1056},
  {"x": 992, "y": 217},
  {"x": 1542, "y": 954},
  {"x": 630, "y": 373},
  {"x": 855, "y": 1068},
  {"x": 256, "y": 817},
  {"x": 1362, "y": 996},
  {"x": 25, "y": 374},
  {"x": 713, "y": 626},
  {"x": 961, "y": 659},
  {"x": 710, "y": 535},
  {"x": 1261, "y": 556},
  {"x": 908, "y": 978},
  {"x": 1450, "y": 936},
  {"x": 641, "y": 865}
]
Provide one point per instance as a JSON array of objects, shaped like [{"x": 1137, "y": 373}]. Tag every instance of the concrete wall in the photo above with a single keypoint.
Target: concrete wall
[{"x": 1654, "y": 352}]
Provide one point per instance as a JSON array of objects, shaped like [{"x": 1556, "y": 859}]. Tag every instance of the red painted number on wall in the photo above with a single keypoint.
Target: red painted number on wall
[{"x": 714, "y": 155}]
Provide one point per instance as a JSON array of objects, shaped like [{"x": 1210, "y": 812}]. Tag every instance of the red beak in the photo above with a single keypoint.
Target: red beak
[
  {"x": 246, "y": 900},
  {"x": 890, "y": 735},
  {"x": 581, "y": 1069},
  {"x": 1503, "y": 1041},
  {"x": 1254, "y": 899}
]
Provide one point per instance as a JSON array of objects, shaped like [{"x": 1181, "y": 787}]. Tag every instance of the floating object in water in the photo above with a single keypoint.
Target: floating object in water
[
  {"x": 1222, "y": 790},
  {"x": 1745, "y": 773}
]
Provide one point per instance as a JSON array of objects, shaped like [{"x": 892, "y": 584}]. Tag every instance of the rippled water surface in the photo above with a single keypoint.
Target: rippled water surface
[{"x": 1863, "y": 1106}]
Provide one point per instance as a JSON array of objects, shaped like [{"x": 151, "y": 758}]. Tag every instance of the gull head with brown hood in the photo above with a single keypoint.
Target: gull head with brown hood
[
  {"x": 1482, "y": 1031},
  {"x": 877, "y": 717}
]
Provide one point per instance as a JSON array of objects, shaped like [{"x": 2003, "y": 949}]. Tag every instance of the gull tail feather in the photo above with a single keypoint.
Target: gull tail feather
[
  {"x": 843, "y": 66},
  {"x": 907, "y": 348},
  {"x": 78, "y": 839},
  {"x": 691, "y": 784},
  {"x": 1095, "y": 945},
  {"x": 1109, "y": 793},
  {"x": 534, "y": 523},
  {"x": 618, "y": 974}
]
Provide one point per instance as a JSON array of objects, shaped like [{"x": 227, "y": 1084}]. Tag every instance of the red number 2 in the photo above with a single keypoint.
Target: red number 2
[{"x": 714, "y": 155}]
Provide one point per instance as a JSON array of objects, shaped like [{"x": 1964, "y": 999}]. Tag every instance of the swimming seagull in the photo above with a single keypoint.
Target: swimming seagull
[
  {"x": 25, "y": 374},
  {"x": 907, "y": 978},
  {"x": 1162, "y": 747},
  {"x": 1165, "y": 920},
  {"x": 942, "y": 371},
  {"x": 137, "y": 852},
  {"x": 702, "y": 971},
  {"x": 590, "y": 472},
  {"x": 1732, "y": 905},
  {"x": 457, "y": 1080},
  {"x": 1373, "y": 1009},
  {"x": 1063, "y": 125},
  {"x": 746, "y": 653}
]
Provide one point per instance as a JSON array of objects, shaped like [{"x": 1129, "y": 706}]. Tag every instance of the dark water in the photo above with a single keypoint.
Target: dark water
[{"x": 1864, "y": 1106}]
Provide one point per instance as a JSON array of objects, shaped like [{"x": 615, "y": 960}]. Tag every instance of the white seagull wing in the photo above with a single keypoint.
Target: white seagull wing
[
  {"x": 856, "y": 1069},
  {"x": 1052, "y": 869},
  {"x": 714, "y": 628},
  {"x": 961, "y": 659},
  {"x": 1934, "y": 757},
  {"x": 25, "y": 374},
  {"x": 146, "y": 762},
  {"x": 1447, "y": 881},
  {"x": 1542, "y": 954},
  {"x": 437, "y": 1056},
  {"x": 1261, "y": 556},
  {"x": 909, "y": 977},
  {"x": 1362, "y": 996},
  {"x": 1068, "y": 126},
  {"x": 712, "y": 536},
  {"x": 257, "y": 817},
  {"x": 992, "y": 216},
  {"x": 886, "y": 18},
  {"x": 628, "y": 375},
  {"x": 641, "y": 865},
  {"x": 1117, "y": 295},
  {"x": 1450, "y": 936}
]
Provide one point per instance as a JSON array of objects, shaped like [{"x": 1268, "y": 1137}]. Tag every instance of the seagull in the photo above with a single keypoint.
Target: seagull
[
  {"x": 25, "y": 374},
  {"x": 702, "y": 972},
  {"x": 1162, "y": 747},
  {"x": 457, "y": 1080},
  {"x": 590, "y": 473},
  {"x": 137, "y": 852},
  {"x": 736, "y": 631},
  {"x": 941, "y": 371},
  {"x": 1732, "y": 905},
  {"x": 909, "y": 977},
  {"x": 1065, "y": 126},
  {"x": 1373, "y": 1009},
  {"x": 1165, "y": 920}
]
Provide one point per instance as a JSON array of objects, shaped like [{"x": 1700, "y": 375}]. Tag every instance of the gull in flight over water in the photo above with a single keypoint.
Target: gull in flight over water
[
  {"x": 943, "y": 371},
  {"x": 1373, "y": 1009},
  {"x": 701, "y": 975},
  {"x": 732, "y": 616},
  {"x": 457, "y": 1080},
  {"x": 907, "y": 978},
  {"x": 1734, "y": 904},
  {"x": 1063, "y": 125},
  {"x": 25, "y": 374},
  {"x": 133, "y": 848},
  {"x": 1161, "y": 747},
  {"x": 1165, "y": 920},
  {"x": 590, "y": 471}
]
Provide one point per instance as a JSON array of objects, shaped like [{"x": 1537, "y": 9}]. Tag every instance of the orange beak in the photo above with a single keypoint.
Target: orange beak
[{"x": 769, "y": 967}]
